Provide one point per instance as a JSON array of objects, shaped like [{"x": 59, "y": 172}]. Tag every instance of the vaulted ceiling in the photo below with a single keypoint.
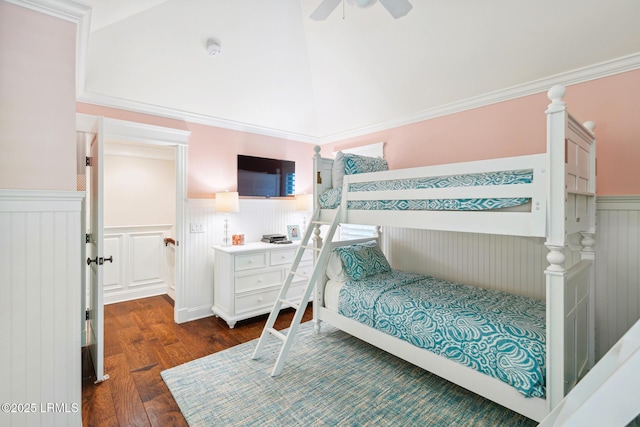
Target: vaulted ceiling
[{"x": 281, "y": 73}]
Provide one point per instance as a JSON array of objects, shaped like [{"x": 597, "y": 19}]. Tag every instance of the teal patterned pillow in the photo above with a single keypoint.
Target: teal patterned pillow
[
  {"x": 354, "y": 164},
  {"x": 363, "y": 260}
]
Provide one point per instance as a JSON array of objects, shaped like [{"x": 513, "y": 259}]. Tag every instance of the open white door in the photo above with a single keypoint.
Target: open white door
[{"x": 96, "y": 257}]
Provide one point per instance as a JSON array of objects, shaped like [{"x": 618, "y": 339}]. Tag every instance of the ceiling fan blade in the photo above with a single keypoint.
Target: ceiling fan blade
[
  {"x": 397, "y": 8},
  {"x": 323, "y": 11}
]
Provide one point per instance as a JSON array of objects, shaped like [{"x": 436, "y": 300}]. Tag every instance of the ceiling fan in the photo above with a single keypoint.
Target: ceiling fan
[{"x": 397, "y": 8}]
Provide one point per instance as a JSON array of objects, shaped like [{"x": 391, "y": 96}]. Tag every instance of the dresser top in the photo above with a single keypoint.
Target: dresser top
[{"x": 255, "y": 246}]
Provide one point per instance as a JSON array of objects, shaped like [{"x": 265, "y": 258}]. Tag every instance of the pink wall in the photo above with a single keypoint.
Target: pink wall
[
  {"x": 518, "y": 127},
  {"x": 212, "y": 151},
  {"x": 510, "y": 128},
  {"x": 37, "y": 100}
]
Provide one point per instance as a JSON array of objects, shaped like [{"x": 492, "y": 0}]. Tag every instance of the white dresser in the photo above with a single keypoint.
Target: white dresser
[{"x": 247, "y": 278}]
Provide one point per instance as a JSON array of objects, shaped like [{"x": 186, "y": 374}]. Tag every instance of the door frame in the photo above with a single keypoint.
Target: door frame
[{"x": 157, "y": 135}]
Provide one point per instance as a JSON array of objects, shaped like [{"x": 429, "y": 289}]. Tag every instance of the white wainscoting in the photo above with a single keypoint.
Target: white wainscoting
[
  {"x": 40, "y": 309},
  {"x": 617, "y": 269},
  {"x": 516, "y": 264},
  {"x": 511, "y": 264},
  {"x": 255, "y": 218},
  {"x": 139, "y": 268}
]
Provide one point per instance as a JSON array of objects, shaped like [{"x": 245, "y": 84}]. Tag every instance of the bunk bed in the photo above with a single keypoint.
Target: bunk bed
[{"x": 553, "y": 199}]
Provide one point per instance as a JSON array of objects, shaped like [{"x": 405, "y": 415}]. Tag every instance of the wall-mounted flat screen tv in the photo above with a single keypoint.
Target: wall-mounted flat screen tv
[{"x": 263, "y": 177}]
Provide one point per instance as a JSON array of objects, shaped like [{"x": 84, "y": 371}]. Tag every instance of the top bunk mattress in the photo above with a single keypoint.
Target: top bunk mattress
[{"x": 331, "y": 199}]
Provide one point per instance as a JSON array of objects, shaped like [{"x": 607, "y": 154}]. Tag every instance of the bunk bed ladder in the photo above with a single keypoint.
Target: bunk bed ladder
[{"x": 322, "y": 254}]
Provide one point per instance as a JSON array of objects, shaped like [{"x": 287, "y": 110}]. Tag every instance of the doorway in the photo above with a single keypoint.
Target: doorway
[
  {"x": 96, "y": 130},
  {"x": 139, "y": 220}
]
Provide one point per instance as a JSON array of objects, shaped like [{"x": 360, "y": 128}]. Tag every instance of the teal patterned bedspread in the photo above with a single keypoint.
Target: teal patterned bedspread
[
  {"x": 331, "y": 199},
  {"x": 499, "y": 334}
]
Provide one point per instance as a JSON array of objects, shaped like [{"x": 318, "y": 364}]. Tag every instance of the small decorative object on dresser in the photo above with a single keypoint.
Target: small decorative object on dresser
[
  {"x": 247, "y": 278},
  {"x": 237, "y": 239},
  {"x": 293, "y": 232}
]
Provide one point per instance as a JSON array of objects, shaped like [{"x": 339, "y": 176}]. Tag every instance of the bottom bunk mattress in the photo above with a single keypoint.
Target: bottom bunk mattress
[{"x": 499, "y": 334}]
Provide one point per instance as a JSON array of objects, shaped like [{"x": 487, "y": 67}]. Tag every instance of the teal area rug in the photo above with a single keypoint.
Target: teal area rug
[{"x": 329, "y": 379}]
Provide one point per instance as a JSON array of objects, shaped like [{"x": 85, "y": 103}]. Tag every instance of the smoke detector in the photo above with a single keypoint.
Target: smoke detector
[{"x": 213, "y": 48}]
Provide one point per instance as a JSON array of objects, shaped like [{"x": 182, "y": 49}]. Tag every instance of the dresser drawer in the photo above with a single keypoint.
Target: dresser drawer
[
  {"x": 259, "y": 280},
  {"x": 286, "y": 257},
  {"x": 254, "y": 301},
  {"x": 295, "y": 292},
  {"x": 249, "y": 261},
  {"x": 305, "y": 268},
  {"x": 283, "y": 257}
]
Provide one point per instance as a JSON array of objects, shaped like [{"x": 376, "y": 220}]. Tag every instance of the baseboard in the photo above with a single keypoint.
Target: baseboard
[
  {"x": 194, "y": 313},
  {"x": 115, "y": 297}
]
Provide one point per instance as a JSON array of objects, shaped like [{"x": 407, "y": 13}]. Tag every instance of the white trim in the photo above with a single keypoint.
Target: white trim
[
  {"x": 140, "y": 132},
  {"x": 143, "y": 151},
  {"x": 141, "y": 107},
  {"x": 619, "y": 203},
  {"x": 193, "y": 313},
  {"x": 591, "y": 72},
  {"x": 40, "y": 200},
  {"x": 64, "y": 9},
  {"x": 117, "y": 229}
]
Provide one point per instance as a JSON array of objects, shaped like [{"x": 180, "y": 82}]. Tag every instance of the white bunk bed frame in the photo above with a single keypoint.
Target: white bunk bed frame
[{"x": 562, "y": 204}]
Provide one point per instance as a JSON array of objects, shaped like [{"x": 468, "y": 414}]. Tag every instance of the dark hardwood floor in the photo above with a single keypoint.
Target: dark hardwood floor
[{"x": 141, "y": 340}]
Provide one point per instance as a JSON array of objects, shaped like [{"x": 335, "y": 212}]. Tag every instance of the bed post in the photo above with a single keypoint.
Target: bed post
[
  {"x": 588, "y": 245},
  {"x": 556, "y": 243},
  {"x": 318, "y": 298}
]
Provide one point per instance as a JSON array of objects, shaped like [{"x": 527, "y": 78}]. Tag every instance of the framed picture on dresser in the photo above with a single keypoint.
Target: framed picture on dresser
[{"x": 293, "y": 232}]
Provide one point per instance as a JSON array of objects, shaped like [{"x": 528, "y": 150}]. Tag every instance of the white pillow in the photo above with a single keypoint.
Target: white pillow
[{"x": 335, "y": 270}]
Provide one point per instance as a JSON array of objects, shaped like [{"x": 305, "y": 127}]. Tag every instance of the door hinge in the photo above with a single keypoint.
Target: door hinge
[
  {"x": 87, "y": 161},
  {"x": 87, "y": 314},
  {"x": 87, "y": 238}
]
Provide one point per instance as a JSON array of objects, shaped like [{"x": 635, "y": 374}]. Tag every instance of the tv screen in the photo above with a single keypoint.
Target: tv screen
[{"x": 262, "y": 177}]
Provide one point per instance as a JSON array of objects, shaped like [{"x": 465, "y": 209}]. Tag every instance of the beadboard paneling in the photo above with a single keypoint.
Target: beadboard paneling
[
  {"x": 255, "y": 218},
  {"x": 516, "y": 264},
  {"x": 40, "y": 310},
  {"x": 617, "y": 269},
  {"x": 511, "y": 264}
]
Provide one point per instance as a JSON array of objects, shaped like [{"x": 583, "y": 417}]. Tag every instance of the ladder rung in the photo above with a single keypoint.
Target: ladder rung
[
  {"x": 277, "y": 333},
  {"x": 312, "y": 248},
  {"x": 321, "y": 222},
  {"x": 290, "y": 303}
]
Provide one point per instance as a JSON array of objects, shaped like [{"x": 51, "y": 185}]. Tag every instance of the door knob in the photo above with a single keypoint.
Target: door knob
[
  {"x": 89, "y": 260},
  {"x": 110, "y": 259}
]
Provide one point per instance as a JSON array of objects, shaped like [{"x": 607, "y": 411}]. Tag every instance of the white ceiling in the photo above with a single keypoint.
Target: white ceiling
[{"x": 280, "y": 73}]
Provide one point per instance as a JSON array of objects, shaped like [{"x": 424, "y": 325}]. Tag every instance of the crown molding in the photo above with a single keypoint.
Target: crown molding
[
  {"x": 170, "y": 113},
  {"x": 581, "y": 75},
  {"x": 68, "y": 10}
]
